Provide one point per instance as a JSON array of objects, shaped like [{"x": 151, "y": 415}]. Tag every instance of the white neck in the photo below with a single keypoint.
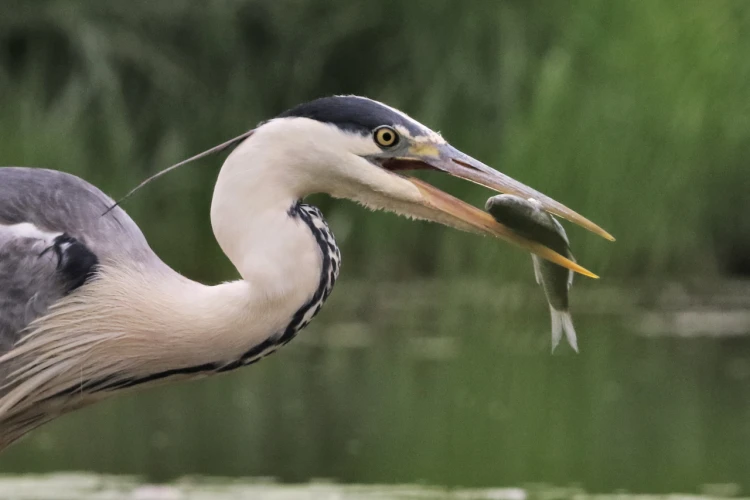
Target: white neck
[{"x": 274, "y": 252}]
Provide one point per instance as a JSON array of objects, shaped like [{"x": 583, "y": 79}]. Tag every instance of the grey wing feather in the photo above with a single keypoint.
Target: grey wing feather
[
  {"x": 29, "y": 283},
  {"x": 58, "y": 204}
]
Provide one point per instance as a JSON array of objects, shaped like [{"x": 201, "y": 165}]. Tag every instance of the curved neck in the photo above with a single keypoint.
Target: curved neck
[{"x": 252, "y": 221}]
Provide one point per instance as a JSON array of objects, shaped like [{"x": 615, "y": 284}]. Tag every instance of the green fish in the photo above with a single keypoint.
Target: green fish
[{"x": 528, "y": 219}]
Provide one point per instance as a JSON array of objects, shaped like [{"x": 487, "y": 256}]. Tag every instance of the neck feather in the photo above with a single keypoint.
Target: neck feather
[{"x": 130, "y": 325}]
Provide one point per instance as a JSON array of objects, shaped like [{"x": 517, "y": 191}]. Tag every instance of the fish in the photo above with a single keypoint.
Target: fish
[{"x": 528, "y": 218}]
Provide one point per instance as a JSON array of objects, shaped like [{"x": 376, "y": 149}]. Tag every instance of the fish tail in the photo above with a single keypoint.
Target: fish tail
[{"x": 562, "y": 322}]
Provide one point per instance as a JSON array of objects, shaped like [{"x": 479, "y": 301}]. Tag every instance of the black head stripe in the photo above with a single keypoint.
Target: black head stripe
[{"x": 355, "y": 114}]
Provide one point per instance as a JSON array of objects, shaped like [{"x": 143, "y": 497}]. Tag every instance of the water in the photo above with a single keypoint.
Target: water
[{"x": 453, "y": 384}]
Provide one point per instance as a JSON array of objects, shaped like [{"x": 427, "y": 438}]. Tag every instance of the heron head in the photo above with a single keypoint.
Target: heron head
[
  {"x": 360, "y": 149},
  {"x": 356, "y": 148}
]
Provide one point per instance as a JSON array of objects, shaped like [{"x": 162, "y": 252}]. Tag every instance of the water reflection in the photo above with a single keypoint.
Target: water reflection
[{"x": 442, "y": 384}]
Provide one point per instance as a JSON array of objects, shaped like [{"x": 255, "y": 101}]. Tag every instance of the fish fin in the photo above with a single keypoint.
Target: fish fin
[
  {"x": 570, "y": 332},
  {"x": 568, "y": 253},
  {"x": 538, "y": 271},
  {"x": 559, "y": 229},
  {"x": 557, "y": 327},
  {"x": 570, "y": 273},
  {"x": 563, "y": 322}
]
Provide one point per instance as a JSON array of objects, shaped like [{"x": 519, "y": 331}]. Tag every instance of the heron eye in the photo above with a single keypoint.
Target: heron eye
[{"x": 386, "y": 137}]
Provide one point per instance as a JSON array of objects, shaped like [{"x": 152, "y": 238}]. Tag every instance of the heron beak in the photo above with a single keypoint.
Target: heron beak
[{"x": 445, "y": 158}]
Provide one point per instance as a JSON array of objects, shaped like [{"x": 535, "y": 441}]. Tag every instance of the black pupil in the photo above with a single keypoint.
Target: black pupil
[{"x": 387, "y": 137}]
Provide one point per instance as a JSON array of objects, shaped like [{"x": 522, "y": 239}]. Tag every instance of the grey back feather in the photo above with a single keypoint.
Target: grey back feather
[
  {"x": 54, "y": 202},
  {"x": 58, "y": 202}
]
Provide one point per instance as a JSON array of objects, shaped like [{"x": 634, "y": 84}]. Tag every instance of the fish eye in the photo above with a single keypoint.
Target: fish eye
[{"x": 385, "y": 136}]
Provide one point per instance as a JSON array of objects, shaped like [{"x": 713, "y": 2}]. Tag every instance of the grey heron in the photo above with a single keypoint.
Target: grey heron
[{"x": 87, "y": 309}]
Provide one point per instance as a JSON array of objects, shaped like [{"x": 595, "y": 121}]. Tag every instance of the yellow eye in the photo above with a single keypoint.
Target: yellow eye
[{"x": 386, "y": 137}]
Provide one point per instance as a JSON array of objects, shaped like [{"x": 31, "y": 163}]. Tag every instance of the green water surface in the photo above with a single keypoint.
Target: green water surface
[{"x": 452, "y": 384}]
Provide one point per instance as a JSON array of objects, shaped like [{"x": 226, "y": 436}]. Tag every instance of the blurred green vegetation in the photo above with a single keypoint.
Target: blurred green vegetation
[{"x": 633, "y": 113}]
